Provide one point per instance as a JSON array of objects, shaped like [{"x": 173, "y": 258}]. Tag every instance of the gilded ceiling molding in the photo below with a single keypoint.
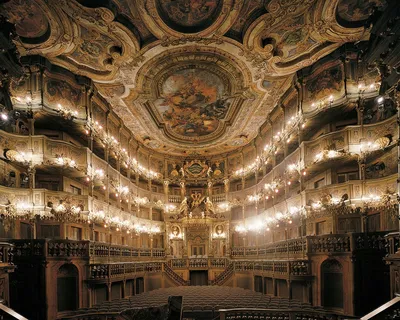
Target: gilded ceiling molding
[
  {"x": 219, "y": 67},
  {"x": 328, "y": 27},
  {"x": 290, "y": 37},
  {"x": 86, "y": 41},
  {"x": 42, "y": 29}
]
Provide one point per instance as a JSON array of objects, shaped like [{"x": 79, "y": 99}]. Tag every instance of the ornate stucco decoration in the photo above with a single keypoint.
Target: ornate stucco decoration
[{"x": 135, "y": 50}]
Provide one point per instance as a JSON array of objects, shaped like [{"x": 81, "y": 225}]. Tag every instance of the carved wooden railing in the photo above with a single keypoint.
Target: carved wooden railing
[
  {"x": 6, "y": 253},
  {"x": 288, "y": 248},
  {"x": 322, "y": 244},
  {"x": 392, "y": 242},
  {"x": 218, "y": 262},
  {"x": 99, "y": 249},
  {"x": 294, "y": 267},
  {"x": 223, "y": 276},
  {"x": 67, "y": 248},
  {"x": 268, "y": 314},
  {"x": 332, "y": 243},
  {"x": 198, "y": 263},
  {"x": 115, "y": 270},
  {"x": 79, "y": 249},
  {"x": 174, "y": 276}
]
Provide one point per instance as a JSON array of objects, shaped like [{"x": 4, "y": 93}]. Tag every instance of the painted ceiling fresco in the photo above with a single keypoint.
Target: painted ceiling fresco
[
  {"x": 198, "y": 73},
  {"x": 192, "y": 102},
  {"x": 357, "y": 10},
  {"x": 189, "y": 15}
]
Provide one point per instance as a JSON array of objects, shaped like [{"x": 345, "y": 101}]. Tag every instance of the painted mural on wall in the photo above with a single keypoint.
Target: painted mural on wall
[
  {"x": 60, "y": 92},
  {"x": 192, "y": 102},
  {"x": 329, "y": 81},
  {"x": 189, "y": 13}
]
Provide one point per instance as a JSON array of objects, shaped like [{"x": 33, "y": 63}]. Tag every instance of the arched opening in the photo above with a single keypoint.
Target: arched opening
[
  {"x": 67, "y": 288},
  {"x": 332, "y": 284}
]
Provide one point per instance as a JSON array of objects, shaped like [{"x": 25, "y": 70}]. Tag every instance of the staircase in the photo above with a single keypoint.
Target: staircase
[
  {"x": 174, "y": 276},
  {"x": 223, "y": 276},
  {"x": 389, "y": 310},
  {"x": 9, "y": 314}
]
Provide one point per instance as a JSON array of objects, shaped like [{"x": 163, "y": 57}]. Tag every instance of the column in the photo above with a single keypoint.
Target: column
[
  {"x": 226, "y": 188},
  {"x": 166, "y": 191},
  {"x": 289, "y": 285},
  {"x": 183, "y": 190},
  {"x": 124, "y": 288},
  {"x": 109, "y": 291}
]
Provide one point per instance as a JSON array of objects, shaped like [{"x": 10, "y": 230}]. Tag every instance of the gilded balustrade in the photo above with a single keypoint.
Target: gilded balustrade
[{"x": 46, "y": 151}]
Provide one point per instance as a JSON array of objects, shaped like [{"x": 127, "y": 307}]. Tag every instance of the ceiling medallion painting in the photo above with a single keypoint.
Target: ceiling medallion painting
[
  {"x": 30, "y": 23},
  {"x": 356, "y": 10},
  {"x": 189, "y": 16},
  {"x": 192, "y": 102}
]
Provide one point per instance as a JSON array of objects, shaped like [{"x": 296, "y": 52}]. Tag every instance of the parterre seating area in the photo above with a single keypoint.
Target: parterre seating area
[{"x": 201, "y": 299}]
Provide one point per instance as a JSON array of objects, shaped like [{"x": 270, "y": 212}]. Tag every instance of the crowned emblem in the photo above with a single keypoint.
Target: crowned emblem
[{"x": 196, "y": 168}]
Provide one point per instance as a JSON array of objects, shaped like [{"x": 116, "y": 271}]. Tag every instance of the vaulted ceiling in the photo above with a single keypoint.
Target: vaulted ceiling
[{"x": 198, "y": 75}]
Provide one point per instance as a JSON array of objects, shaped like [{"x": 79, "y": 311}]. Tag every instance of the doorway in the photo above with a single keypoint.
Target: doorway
[{"x": 199, "y": 278}]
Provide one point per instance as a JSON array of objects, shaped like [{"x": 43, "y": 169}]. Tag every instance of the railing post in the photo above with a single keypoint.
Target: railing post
[
  {"x": 352, "y": 242},
  {"x": 292, "y": 316},
  {"x": 46, "y": 248},
  {"x": 308, "y": 245}
]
